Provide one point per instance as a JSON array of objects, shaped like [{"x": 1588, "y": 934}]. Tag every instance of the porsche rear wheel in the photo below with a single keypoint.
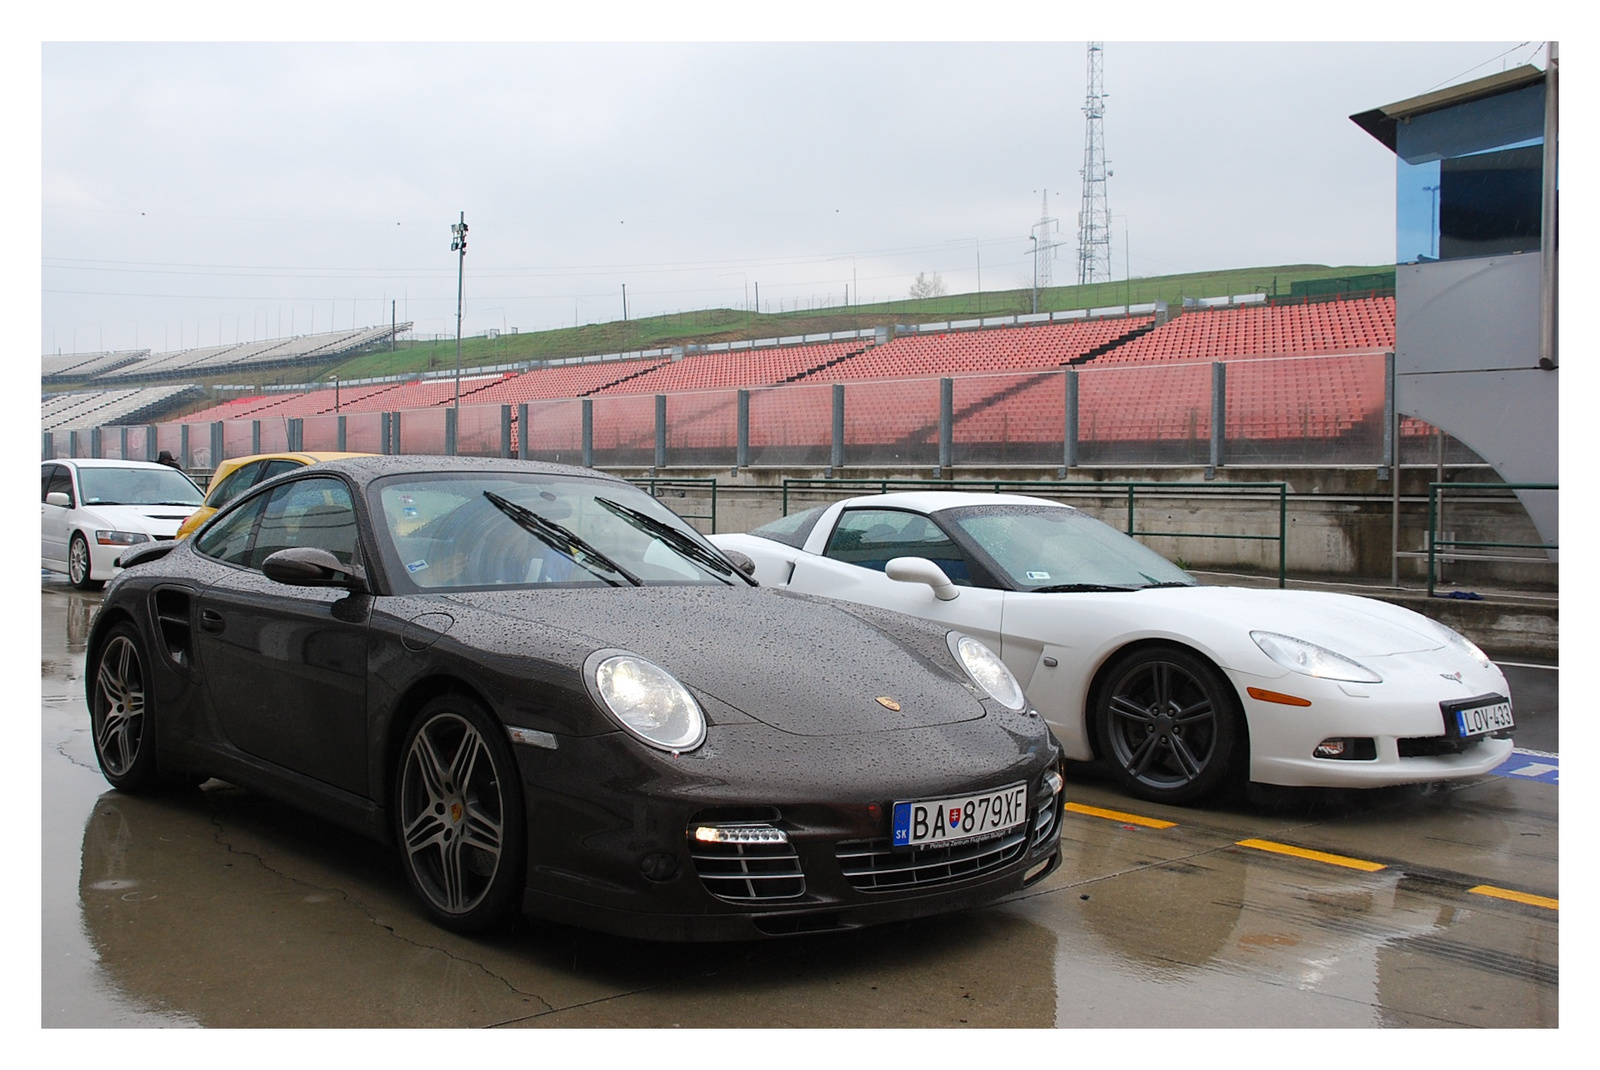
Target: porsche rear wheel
[
  {"x": 120, "y": 713},
  {"x": 458, "y": 815},
  {"x": 1167, "y": 724},
  {"x": 80, "y": 565}
]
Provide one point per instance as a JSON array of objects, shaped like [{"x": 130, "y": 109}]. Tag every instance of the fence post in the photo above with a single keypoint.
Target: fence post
[
  {"x": 297, "y": 435},
  {"x": 947, "y": 424},
  {"x": 96, "y": 448},
  {"x": 1219, "y": 416},
  {"x": 183, "y": 445},
  {"x": 836, "y": 460},
  {"x": 661, "y": 431},
  {"x": 72, "y": 444},
  {"x": 588, "y": 432},
  {"x": 255, "y": 436},
  {"x": 383, "y": 434},
  {"x": 216, "y": 443},
  {"x": 1069, "y": 435},
  {"x": 522, "y": 431},
  {"x": 342, "y": 439},
  {"x": 1389, "y": 458},
  {"x": 741, "y": 455},
  {"x": 48, "y": 446},
  {"x": 450, "y": 416},
  {"x": 150, "y": 439},
  {"x": 125, "y": 442},
  {"x": 394, "y": 426},
  {"x": 505, "y": 430}
]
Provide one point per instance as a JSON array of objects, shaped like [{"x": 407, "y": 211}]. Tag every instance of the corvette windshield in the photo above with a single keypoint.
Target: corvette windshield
[
  {"x": 1044, "y": 548},
  {"x": 495, "y": 529}
]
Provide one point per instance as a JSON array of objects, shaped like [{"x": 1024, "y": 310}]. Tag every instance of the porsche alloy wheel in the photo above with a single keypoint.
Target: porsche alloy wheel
[
  {"x": 1166, "y": 724},
  {"x": 80, "y": 565},
  {"x": 119, "y": 714},
  {"x": 459, "y": 815}
]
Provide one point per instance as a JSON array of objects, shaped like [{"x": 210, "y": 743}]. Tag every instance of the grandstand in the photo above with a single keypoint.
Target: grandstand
[
  {"x": 110, "y": 408},
  {"x": 1306, "y": 371}
]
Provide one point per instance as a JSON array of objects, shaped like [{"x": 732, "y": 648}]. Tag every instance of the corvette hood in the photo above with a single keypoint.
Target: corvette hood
[
  {"x": 800, "y": 665},
  {"x": 1347, "y": 624}
]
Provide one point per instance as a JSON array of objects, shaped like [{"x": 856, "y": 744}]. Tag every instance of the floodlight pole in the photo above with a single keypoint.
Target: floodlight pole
[{"x": 458, "y": 244}]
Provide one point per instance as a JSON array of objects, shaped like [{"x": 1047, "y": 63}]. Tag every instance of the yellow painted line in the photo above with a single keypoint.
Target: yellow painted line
[
  {"x": 1118, "y": 815},
  {"x": 1517, "y": 897},
  {"x": 1315, "y": 856}
]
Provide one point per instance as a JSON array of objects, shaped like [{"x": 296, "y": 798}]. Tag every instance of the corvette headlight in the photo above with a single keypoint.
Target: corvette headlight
[
  {"x": 1460, "y": 643},
  {"x": 650, "y": 702},
  {"x": 987, "y": 671},
  {"x": 120, "y": 538},
  {"x": 1310, "y": 659}
]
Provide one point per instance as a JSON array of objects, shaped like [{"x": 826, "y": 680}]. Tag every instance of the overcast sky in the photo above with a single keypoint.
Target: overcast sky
[{"x": 222, "y": 192}]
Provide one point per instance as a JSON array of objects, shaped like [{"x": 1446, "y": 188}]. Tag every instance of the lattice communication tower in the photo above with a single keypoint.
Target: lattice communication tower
[
  {"x": 1094, "y": 216},
  {"x": 1046, "y": 237}
]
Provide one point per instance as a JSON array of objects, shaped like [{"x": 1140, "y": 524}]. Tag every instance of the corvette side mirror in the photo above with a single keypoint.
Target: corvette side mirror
[
  {"x": 921, "y": 570},
  {"x": 741, "y": 561}
]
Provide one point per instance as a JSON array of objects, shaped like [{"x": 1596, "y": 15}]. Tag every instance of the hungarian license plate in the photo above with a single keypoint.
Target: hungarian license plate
[
  {"x": 1482, "y": 720},
  {"x": 963, "y": 817}
]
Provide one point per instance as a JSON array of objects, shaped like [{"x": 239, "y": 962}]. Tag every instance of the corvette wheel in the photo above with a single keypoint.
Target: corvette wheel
[
  {"x": 458, "y": 815},
  {"x": 120, "y": 713},
  {"x": 1167, "y": 724},
  {"x": 79, "y": 564}
]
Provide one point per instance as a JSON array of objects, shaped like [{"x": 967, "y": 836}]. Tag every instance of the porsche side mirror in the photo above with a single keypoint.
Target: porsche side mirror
[
  {"x": 312, "y": 566},
  {"x": 921, "y": 570}
]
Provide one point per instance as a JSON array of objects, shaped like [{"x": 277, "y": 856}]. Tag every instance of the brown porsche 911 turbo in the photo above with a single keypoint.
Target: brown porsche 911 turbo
[{"x": 552, "y": 694}]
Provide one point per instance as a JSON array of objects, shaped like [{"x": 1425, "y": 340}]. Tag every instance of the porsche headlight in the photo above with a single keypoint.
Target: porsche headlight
[
  {"x": 987, "y": 671},
  {"x": 1309, "y": 659},
  {"x": 1460, "y": 643},
  {"x": 650, "y": 702}
]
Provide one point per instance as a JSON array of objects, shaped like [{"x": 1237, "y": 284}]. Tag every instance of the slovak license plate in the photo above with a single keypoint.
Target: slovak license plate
[
  {"x": 964, "y": 817},
  {"x": 1481, "y": 720}
]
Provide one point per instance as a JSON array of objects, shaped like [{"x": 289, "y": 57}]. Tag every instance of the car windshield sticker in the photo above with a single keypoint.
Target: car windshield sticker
[
  {"x": 416, "y": 566},
  {"x": 1038, "y": 575}
]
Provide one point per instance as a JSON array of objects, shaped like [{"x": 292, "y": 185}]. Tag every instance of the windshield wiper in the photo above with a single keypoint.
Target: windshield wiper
[
  {"x": 1168, "y": 583},
  {"x": 560, "y": 539},
  {"x": 1066, "y": 588},
  {"x": 681, "y": 543}
]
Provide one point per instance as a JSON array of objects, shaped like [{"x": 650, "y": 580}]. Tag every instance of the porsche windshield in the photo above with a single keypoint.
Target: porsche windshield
[
  {"x": 474, "y": 530},
  {"x": 1044, "y": 548}
]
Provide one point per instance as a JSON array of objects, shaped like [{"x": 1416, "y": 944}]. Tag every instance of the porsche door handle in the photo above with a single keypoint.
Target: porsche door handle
[{"x": 210, "y": 620}]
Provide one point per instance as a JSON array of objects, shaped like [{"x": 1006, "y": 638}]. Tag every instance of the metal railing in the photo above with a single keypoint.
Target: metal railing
[
  {"x": 656, "y": 486},
  {"x": 1248, "y": 491},
  {"x": 1436, "y": 509}
]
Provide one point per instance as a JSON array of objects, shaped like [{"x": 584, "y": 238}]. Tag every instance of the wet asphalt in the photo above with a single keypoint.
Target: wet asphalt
[{"x": 218, "y": 908}]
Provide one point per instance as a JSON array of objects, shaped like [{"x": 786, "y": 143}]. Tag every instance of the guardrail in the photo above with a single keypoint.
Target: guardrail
[
  {"x": 654, "y": 486},
  {"x": 1436, "y": 508},
  {"x": 1249, "y": 491}
]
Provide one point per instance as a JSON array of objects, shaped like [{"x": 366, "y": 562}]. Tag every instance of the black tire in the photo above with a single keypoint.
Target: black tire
[
  {"x": 121, "y": 716},
  {"x": 1167, "y": 724},
  {"x": 80, "y": 564},
  {"x": 459, "y": 816}
]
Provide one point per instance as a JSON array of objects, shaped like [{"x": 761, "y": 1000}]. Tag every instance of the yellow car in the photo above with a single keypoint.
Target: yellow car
[{"x": 236, "y": 475}]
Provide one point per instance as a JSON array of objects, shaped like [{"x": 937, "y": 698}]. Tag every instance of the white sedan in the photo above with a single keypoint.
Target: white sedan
[
  {"x": 93, "y": 510},
  {"x": 1175, "y": 687}
]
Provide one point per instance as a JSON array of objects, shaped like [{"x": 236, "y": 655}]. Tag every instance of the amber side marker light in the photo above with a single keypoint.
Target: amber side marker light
[{"x": 1274, "y": 696}]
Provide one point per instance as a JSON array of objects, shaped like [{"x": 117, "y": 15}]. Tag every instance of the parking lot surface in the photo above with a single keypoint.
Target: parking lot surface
[{"x": 1424, "y": 906}]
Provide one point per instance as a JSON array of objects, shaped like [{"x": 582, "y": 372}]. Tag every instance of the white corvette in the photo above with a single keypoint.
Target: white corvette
[{"x": 1175, "y": 687}]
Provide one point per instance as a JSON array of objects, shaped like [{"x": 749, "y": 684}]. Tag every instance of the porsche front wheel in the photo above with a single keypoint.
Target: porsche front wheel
[
  {"x": 1167, "y": 724},
  {"x": 458, "y": 815}
]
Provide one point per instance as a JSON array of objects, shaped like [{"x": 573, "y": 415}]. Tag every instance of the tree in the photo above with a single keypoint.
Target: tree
[{"x": 926, "y": 287}]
